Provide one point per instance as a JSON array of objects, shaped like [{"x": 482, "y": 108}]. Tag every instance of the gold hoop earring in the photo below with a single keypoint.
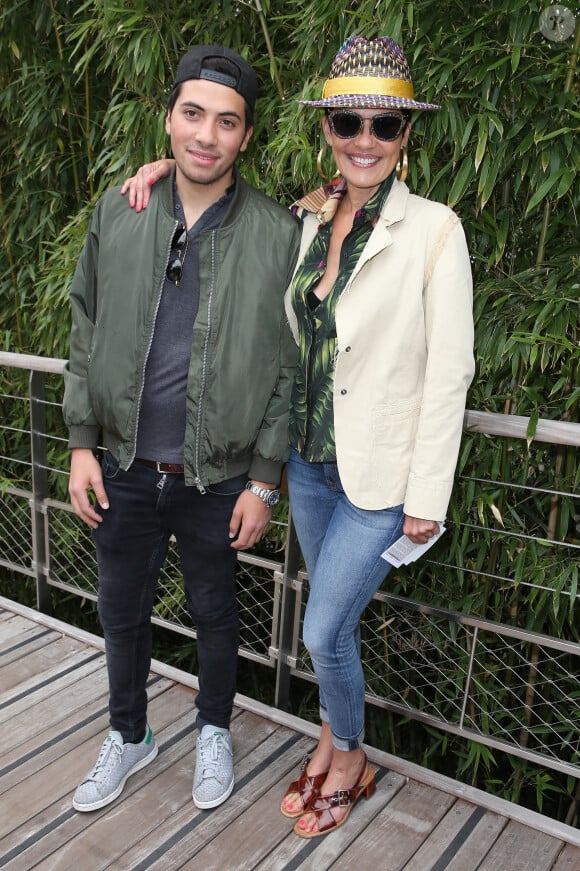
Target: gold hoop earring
[
  {"x": 319, "y": 166},
  {"x": 402, "y": 167}
]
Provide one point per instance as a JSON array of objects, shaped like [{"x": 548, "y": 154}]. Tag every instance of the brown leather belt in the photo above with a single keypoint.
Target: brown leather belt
[{"x": 162, "y": 468}]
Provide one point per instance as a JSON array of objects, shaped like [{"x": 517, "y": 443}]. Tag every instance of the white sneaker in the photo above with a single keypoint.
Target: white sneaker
[
  {"x": 117, "y": 761},
  {"x": 213, "y": 778}
]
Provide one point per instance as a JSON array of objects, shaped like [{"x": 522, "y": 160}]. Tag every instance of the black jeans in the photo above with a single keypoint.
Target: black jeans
[{"x": 146, "y": 508}]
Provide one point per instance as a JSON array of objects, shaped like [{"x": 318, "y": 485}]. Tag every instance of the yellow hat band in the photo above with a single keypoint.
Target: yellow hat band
[{"x": 353, "y": 85}]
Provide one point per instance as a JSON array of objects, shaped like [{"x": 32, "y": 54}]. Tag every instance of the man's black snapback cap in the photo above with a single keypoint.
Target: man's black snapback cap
[{"x": 193, "y": 66}]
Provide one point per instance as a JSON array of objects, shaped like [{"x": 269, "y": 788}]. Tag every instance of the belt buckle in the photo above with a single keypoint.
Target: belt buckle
[{"x": 158, "y": 467}]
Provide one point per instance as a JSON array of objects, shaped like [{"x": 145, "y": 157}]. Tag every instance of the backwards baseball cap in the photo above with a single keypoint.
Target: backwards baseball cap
[{"x": 194, "y": 65}]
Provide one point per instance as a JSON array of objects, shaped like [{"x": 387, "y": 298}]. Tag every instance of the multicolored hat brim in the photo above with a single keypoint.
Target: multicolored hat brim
[{"x": 368, "y": 101}]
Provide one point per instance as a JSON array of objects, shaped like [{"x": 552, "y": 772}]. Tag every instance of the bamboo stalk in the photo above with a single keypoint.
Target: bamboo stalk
[
  {"x": 567, "y": 88},
  {"x": 262, "y": 18},
  {"x": 60, "y": 52}
]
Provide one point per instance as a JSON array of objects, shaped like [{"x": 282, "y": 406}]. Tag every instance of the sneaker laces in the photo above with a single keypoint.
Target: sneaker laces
[
  {"x": 106, "y": 760},
  {"x": 211, "y": 750}
]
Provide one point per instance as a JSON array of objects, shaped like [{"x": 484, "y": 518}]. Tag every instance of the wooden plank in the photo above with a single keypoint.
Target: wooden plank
[
  {"x": 318, "y": 853},
  {"x": 430, "y": 823},
  {"x": 11, "y": 626},
  {"x": 48, "y": 708},
  {"x": 520, "y": 848},
  {"x": 398, "y": 830},
  {"x": 493, "y": 803},
  {"x": 87, "y": 723},
  {"x": 568, "y": 859},
  {"x": 28, "y": 642},
  {"x": 47, "y": 823},
  {"x": 409, "y": 769},
  {"x": 180, "y": 842},
  {"x": 6, "y": 614},
  {"x": 146, "y": 811},
  {"x": 259, "y": 832},
  {"x": 461, "y": 840},
  {"x": 23, "y": 627},
  {"x": 33, "y": 666},
  {"x": 20, "y": 700}
]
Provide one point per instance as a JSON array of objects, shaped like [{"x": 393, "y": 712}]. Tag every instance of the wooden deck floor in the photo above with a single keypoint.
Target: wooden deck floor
[{"x": 53, "y": 717}]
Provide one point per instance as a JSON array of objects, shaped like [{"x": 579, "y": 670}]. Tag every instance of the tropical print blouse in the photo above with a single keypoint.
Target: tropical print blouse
[{"x": 311, "y": 414}]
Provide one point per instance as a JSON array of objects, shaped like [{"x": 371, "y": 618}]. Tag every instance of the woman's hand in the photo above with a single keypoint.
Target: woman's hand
[
  {"x": 139, "y": 185},
  {"x": 419, "y": 531}
]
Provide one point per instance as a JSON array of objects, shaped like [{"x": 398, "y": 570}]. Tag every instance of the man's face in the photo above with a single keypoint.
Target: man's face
[{"x": 207, "y": 129}]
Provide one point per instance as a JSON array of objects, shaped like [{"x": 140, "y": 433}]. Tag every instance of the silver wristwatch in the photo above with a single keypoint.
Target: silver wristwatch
[{"x": 268, "y": 497}]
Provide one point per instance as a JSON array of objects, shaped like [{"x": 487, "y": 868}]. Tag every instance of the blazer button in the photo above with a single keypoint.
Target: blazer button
[{"x": 343, "y": 392}]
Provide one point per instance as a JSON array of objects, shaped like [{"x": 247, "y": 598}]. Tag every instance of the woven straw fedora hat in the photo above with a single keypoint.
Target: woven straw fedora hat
[{"x": 369, "y": 74}]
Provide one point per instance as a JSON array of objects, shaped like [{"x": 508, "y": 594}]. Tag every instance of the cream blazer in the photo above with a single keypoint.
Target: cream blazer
[{"x": 405, "y": 357}]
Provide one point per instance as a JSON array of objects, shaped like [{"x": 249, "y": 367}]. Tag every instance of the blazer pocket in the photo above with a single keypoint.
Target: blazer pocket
[{"x": 395, "y": 424}]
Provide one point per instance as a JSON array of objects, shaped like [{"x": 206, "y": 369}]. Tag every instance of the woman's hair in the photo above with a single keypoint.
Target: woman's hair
[{"x": 220, "y": 65}]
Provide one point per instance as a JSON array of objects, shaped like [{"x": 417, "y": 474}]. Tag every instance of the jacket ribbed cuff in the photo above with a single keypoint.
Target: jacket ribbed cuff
[
  {"x": 84, "y": 437},
  {"x": 268, "y": 471}
]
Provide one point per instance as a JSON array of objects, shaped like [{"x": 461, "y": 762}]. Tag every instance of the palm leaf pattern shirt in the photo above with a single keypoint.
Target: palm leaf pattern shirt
[{"x": 311, "y": 414}]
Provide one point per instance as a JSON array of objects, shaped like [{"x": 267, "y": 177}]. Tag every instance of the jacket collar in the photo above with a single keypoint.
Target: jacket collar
[{"x": 395, "y": 205}]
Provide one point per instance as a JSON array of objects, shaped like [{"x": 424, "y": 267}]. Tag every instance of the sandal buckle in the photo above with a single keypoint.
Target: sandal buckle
[{"x": 342, "y": 797}]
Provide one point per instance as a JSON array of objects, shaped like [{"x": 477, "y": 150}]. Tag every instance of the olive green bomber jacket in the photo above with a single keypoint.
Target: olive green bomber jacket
[{"x": 243, "y": 355}]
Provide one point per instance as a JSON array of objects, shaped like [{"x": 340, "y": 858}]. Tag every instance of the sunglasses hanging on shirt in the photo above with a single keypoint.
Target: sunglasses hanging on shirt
[
  {"x": 177, "y": 255},
  {"x": 386, "y": 127}
]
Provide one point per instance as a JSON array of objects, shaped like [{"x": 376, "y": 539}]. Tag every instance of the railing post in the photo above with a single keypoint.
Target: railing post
[
  {"x": 39, "y": 490},
  {"x": 288, "y": 607}
]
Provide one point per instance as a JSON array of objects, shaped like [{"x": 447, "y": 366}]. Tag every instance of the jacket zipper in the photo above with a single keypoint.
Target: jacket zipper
[
  {"x": 197, "y": 480},
  {"x": 148, "y": 351}
]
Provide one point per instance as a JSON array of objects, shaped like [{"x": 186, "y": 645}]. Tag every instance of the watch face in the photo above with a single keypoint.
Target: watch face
[{"x": 273, "y": 499}]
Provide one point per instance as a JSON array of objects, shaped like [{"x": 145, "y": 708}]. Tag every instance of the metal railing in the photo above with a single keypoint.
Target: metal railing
[{"x": 495, "y": 682}]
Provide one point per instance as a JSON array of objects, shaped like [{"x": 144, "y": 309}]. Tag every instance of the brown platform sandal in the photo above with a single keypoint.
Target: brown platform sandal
[
  {"x": 343, "y": 798},
  {"x": 307, "y": 786}
]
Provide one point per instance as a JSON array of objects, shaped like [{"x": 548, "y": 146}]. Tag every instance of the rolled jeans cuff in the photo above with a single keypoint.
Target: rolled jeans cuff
[{"x": 345, "y": 744}]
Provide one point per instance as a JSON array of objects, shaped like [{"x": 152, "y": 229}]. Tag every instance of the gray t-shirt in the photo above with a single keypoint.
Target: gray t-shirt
[{"x": 161, "y": 429}]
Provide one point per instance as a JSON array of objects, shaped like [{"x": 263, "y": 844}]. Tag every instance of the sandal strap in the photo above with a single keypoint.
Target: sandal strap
[
  {"x": 307, "y": 786},
  {"x": 321, "y": 806}
]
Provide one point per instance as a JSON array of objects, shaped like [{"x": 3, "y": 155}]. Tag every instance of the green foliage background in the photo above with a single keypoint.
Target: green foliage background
[
  {"x": 83, "y": 88},
  {"x": 82, "y": 96}
]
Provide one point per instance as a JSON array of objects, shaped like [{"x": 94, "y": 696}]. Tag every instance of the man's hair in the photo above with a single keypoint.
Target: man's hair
[{"x": 220, "y": 65}]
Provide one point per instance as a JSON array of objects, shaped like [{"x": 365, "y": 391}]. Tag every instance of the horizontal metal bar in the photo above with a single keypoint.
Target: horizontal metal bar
[
  {"x": 510, "y": 425},
  {"x": 557, "y": 432},
  {"x": 32, "y": 362},
  {"x": 18, "y": 567},
  {"x": 474, "y": 735},
  {"x": 485, "y": 625}
]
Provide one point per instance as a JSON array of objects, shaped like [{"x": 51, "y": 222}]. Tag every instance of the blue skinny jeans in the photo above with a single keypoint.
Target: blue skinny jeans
[{"x": 342, "y": 547}]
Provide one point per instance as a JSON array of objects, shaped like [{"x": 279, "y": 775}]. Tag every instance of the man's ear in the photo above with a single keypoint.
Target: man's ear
[
  {"x": 246, "y": 138},
  {"x": 168, "y": 122}
]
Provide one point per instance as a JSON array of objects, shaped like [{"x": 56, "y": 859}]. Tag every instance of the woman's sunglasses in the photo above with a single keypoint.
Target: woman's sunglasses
[
  {"x": 346, "y": 125},
  {"x": 175, "y": 265}
]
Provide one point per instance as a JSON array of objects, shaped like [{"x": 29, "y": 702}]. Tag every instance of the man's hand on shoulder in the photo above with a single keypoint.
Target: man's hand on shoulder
[{"x": 85, "y": 475}]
